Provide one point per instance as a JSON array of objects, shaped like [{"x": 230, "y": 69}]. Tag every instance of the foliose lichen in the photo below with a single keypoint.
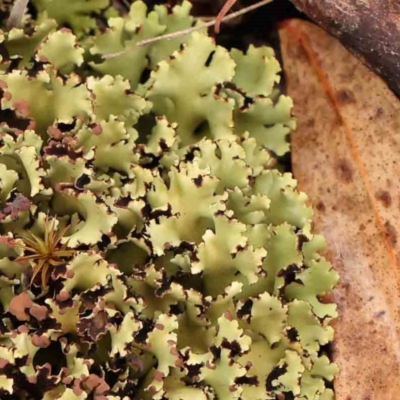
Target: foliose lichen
[{"x": 180, "y": 263}]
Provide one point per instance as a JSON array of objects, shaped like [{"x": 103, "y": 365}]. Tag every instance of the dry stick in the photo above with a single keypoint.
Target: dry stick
[
  {"x": 225, "y": 9},
  {"x": 188, "y": 31},
  {"x": 126, "y": 4},
  {"x": 17, "y": 13}
]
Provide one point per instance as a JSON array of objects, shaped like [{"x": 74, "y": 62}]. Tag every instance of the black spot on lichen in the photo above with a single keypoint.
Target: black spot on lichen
[
  {"x": 274, "y": 374},
  {"x": 164, "y": 287},
  {"x": 104, "y": 242},
  {"x": 198, "y": 181},
  {"x": 142, "y": 334},
  {"x": 216, "y": 352},
  {"x": 246, "y": 309},
  {"x": 301, "y": 239},
  {"x": 289, "y": 274},
  {"x": 123, "y": 202},
  {"x": 209, "y": 59},
  {"x": 289, "y": 396},
  {"x": 247, "y": 380},
  {"x": 82, "y": 181},
  {"x": 292, "y": 334},
  {"x": 234, "y": 347}
]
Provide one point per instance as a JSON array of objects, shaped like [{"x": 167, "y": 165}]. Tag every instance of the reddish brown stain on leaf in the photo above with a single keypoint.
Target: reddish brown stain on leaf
[
  {"x": 320, "y": 206},
  {"x": 379, "y": 112},
  {"x": 311, "y": 122},
  {"x": 345, "y": 96},
  {"x": 391, "y": 233},
  {"x": 384, "y": 197},
  {"x": 344, "y": 171}
]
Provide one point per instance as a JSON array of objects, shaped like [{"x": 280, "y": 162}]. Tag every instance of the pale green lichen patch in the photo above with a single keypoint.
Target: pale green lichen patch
[
  {"x": 61, "y": 50},
  {"x": 180, "y": 263},
  {"x": 77, "y": 13}
]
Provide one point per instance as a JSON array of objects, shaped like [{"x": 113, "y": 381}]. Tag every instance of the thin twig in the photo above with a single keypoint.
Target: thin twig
[
  {"x": 205, "y": 18},
  {"x": 126, "y": 4},
  {"x": 224, "y": 11},
  {"x": 188, "y": 31},
  {"x": 17, "y": 13}
]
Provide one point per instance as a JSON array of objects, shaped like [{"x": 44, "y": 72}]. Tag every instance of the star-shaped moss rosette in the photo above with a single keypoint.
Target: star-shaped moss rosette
[
  {"x": 45, "y": 253},
  {"x": 188, "y": 268}
]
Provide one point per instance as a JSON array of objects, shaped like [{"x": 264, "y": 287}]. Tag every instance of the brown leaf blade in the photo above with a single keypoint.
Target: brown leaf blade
[
  {"x": 346, "y": 154},
  {"x": 370, "y": 28}
]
